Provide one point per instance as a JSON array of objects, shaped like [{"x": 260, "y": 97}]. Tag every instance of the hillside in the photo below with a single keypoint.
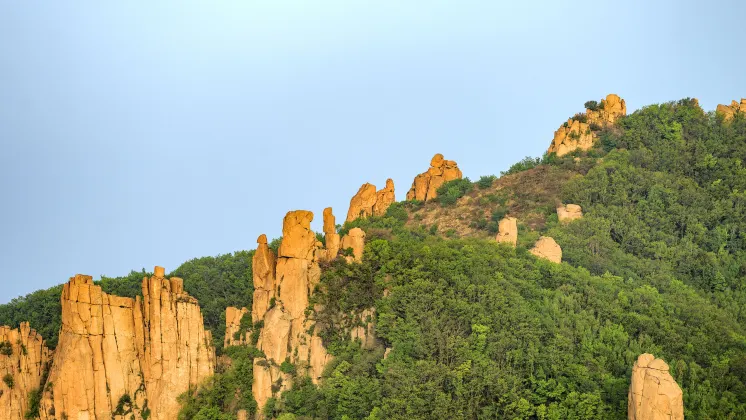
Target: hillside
[{"x": 438, "y": 320}]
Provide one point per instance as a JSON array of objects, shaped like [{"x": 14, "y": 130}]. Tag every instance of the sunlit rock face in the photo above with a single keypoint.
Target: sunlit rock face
[
  {"x": 580, "y": 135},
  {"x": 233, "y": 333},
  {"x": 569, "y": 212},
  {"x": 368, "y": 202},
  {"x": 23, "y": 356},
  {"x": 148, "y": 350},
  {"x": 653, "y": 393},
  {"x": 730, "y": 111},
  {"x": 507, "y": 231},
  {"x": 547, "y": 249},
  {"x": 425, "y": 185}
]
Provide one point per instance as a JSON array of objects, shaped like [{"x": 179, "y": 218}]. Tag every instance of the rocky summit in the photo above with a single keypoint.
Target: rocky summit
[
  {"x": 579, "y": 132},
  {"x": 425, "y": 185}
]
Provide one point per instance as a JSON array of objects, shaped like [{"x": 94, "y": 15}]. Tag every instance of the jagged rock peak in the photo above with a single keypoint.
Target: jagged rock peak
[
  {"x": 578, "y": 132},
  {"x": 298, "y": 240},
  {"x": 653, "y": 393},
  {"x": 730, "y": 111},
  {"x": 151, "y": 349},
  {"x": 507, "y": 231},
  {"x": 233, "y": 317},
  {"x": 24, "y": 356},
  {"x": 367, "y": 201},
  {"x": 547, "y": 249},
  {"x": 425, "y": 185},
  {"x": 331, "y": 237},
  {"x": 263, "y": 269},
  {"x": 569, "y": 212}
]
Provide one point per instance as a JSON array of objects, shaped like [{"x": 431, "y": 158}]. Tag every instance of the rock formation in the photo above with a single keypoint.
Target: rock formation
[
  {"x": 331, "y": 237},
  {"x": 569, "y": 212},
  {"x": 24, "y": 357},
  {"x": 426, "y": 184},
  {"x": 233, "y": 318},
  {"x": 148, "y": 350},
  {"x": 577, "y": 133},
  {"x": 369, "y": 202},
  {"x": 263, "y": 267},
  {"x": 285, "y": 334},
  {"x": 548, "y": 249},
  {"x": 355, "y": 240},
  {"x": 730, "y": 111},
  {"x": 507, "y": 231},
  {"x": 384, "y": 198},
  {"x": 364, "y": 328},
  {"x": 653, "y": 393}
]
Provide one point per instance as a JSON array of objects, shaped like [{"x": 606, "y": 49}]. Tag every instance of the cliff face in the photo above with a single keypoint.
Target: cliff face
[
  {"x": 128, "y": 357},
  {"x": 730, "y": 111},
  {"x": 233, "y": 317},
  {"x": 23, "y": 358},
  {"x": 287, "y": 330},
  {"x": 578, "y": 133},
  {"x": 425, "y": 185},
  {"x": 653, "y": 393}
]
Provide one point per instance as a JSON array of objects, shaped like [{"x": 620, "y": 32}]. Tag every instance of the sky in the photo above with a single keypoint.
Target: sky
[{"x": 138, "y": 133}]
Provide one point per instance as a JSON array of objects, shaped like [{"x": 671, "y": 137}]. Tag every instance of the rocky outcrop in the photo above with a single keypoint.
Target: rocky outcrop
[
  {"x": 286, "y": 332},
  {"x": 331, "y": 237},
  {"x": 569, "y": 212},
  {"x": 369, "y": 202},
  {"x": 385, "y": 197},
  {"x": 578, "y": 132},
  {"x": 263, "y": 268},
  {"x": 730, "y": 111},
  {"x": 507, "y": 231},
  {"x": 144, "y": 351},
  {"x": 653, "y": 393},
  {"x": 23, "y": 358},
  {"x": 233, "y": 336},
  {"x": 364, "y": 328},
  {"x": 426, "y": 184},
  {"x": 354, "y": 240},
  {"x": 547, "y": 249}
]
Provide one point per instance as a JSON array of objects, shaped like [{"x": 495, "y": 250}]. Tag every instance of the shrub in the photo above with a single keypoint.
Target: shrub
[
  {"x": 8, "y": 379},
  {"x": 6, "y": 348},
  {"x": 348, "y": 252},
  {"x": 34, "y": 401},
  {"x": 580, "y": 117},
  {"x": 287, "y": 367},
  {"x": 398, "y": 212},
  {"x": 525, "y": 164},
  {"x": 591, "y": 105},
  {"x": 486, "y": 181},
  {"x": 124, "y": 405},
  {"x": 451, "y": 191},
  {"x": 498, "y": 214}
]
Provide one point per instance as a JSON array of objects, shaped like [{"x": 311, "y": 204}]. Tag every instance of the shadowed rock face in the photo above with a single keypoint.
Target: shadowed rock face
[
  {"x": 547, "y": 249},
  {"x": 730, "y": 111},
  {"x": 653, "y": 393},
  {"x": 151, "y": 349},
  {"x": 369, "y": 202},
  {"x": 426, "y": 184},
  {"x": 574, "y": 135},
  {"x": 26, "y": 361},
  {"x": 507, "y": 231}
]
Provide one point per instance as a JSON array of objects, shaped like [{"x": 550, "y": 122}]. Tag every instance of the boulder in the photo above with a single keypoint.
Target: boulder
[
  {"x": 354, "y": 239},
  {"x": 569, "y": 212},
  {"x": 547, "y": 249},
  {"x": 425, "y": 185},
  {"x": 507, "y": 231},
  {"x": 653, "y": 393}
]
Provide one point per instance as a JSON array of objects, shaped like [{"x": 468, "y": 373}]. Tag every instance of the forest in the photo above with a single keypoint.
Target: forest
[{"x": 480, "y": 330}]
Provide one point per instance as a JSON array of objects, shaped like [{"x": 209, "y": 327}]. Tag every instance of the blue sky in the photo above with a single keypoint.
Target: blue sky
[{"x": 141, "y": 133}]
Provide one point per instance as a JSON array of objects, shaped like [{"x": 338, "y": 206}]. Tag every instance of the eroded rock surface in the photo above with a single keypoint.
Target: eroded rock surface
[
  {"x": 263, "y": 268},
  {"x": 330, "y": 236},
  {"x": 547, "y": 249},
  {"x": 730, "y": 111},
  {"x": 355, "y": 240},
  {"x": 233, "y": 336},
  {"x": 369, "y": 202},
  {"x": 151, "y": 349},
  {"x": 575, "y": 134},
  {"x": 285, "y": 334},
  {"x": 569, "y": 212},
  {"x": 653, "y": 393},
  {"x": 24, "y": 357},
  {"x": 507, "y": 231},
  {"x": 426, "y": 184}
]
